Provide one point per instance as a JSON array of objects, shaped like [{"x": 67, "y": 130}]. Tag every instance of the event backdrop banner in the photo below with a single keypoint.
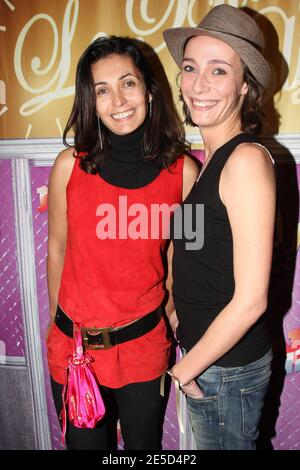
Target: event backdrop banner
[{"x": 41, "y": 41}]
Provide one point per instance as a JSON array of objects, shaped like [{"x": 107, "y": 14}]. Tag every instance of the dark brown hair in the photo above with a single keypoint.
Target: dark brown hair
[
  {"x": 251, "y": 112},
  {"x": 164, "y": 139}
]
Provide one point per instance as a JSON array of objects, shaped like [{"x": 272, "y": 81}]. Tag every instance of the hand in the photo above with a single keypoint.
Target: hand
[{"x": 192, "y": 390}]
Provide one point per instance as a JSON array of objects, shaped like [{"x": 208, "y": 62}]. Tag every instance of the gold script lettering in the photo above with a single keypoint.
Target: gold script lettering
[{"x": 61, "y": 73}]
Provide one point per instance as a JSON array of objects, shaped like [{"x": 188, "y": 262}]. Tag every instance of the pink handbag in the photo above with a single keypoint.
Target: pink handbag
[{"x": 81, "y": 395}]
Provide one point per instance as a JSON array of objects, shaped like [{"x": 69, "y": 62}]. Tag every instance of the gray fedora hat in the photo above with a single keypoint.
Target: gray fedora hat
[{"x": 233, "y": 26}]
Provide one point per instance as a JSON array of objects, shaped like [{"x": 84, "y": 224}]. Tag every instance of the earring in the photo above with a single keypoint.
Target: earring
[
  {"x": 99, "y": 132},
  {"x": 150, "y": 109}
]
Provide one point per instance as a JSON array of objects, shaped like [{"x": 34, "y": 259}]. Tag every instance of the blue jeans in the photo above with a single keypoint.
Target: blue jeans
[{"x": 227, "y": 417}]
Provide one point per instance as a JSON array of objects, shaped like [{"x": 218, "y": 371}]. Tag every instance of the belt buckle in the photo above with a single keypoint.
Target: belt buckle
[{"x": 88, "y": 332}]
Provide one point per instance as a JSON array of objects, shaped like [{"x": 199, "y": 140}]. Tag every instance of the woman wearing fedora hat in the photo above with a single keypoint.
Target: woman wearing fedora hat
[{"x": 220, "y": 291}]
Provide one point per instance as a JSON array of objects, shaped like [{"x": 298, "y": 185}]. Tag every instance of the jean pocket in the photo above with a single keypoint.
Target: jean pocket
[
  {"x": 203, "y": 399},
  {"x": 252, "y": 400},
  {"x": 210, "y": 384}
]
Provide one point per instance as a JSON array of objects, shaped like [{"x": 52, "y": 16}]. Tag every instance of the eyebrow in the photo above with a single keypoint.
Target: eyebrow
[
  {"x": 219, "y": 61},
  {"x": 120, "y": 78},
  {"x": 210, "y": 61}
]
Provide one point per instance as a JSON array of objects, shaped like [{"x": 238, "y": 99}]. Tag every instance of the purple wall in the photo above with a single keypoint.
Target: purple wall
[
  {"x": 288, "y": 422},
  {"x": 11, "y": 324}
]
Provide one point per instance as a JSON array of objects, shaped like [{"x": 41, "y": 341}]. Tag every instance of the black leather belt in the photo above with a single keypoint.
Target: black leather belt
[{"x": 105, "y": 338}]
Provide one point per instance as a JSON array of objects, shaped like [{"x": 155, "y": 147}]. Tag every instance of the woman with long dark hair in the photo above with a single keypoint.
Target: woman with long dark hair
[{"x": 106, "y": 248}]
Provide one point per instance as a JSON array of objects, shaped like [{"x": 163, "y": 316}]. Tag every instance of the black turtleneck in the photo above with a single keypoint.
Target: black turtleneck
[{"x": 125, "y": 167}]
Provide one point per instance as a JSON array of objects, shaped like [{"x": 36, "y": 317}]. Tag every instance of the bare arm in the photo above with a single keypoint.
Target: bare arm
[
  {"x": 57, "y": 224},
  {"x": 247, "y": 188},
  {"x": 170, "y": 308}
]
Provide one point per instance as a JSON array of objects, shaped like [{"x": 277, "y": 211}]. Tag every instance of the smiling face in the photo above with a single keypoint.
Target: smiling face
[
  {"x": 121, "y": 96},
  {"x": 212, "y": 82}
]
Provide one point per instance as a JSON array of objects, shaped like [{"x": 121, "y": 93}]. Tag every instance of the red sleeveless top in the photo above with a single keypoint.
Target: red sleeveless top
[{"x": 113, "y": 271}]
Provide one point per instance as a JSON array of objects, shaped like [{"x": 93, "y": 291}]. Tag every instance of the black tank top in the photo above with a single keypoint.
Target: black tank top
[{"x": 203, "y": 278}]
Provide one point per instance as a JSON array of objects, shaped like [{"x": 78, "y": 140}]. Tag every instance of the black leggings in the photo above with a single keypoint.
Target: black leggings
[{"x": 140, "y": 409}]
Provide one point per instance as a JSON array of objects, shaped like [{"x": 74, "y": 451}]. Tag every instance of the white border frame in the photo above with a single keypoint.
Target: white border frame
[
  {"x": 26, "y": 266},
  {"x": 274, "y": 143},
  {"x": 12, "y": 361},
  {"x": 45, "y": 150}
]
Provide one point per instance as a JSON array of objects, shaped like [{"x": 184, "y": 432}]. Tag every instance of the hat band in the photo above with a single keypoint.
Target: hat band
[{"x": 256, "y": 46}]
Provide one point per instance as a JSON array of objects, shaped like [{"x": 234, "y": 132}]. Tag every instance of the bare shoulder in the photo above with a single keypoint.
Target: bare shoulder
[
  {"x": 65, "y": 159},
  {"x": 247, "y": 174},
  {"x": 248, "y": 157},
  {"x": 63, "y": 165},
  {"x": 191, "y": 167},
  {"x": 249, "y": 161}
]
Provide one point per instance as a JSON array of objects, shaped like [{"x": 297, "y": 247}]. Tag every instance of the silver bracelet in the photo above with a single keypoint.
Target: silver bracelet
[{"x": 176, "y": 380}]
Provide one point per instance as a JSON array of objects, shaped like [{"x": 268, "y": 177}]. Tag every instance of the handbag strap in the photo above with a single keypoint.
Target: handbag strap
[
  {"x": 78, "y": 353},
  {"x": 77, "y": 340}
]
